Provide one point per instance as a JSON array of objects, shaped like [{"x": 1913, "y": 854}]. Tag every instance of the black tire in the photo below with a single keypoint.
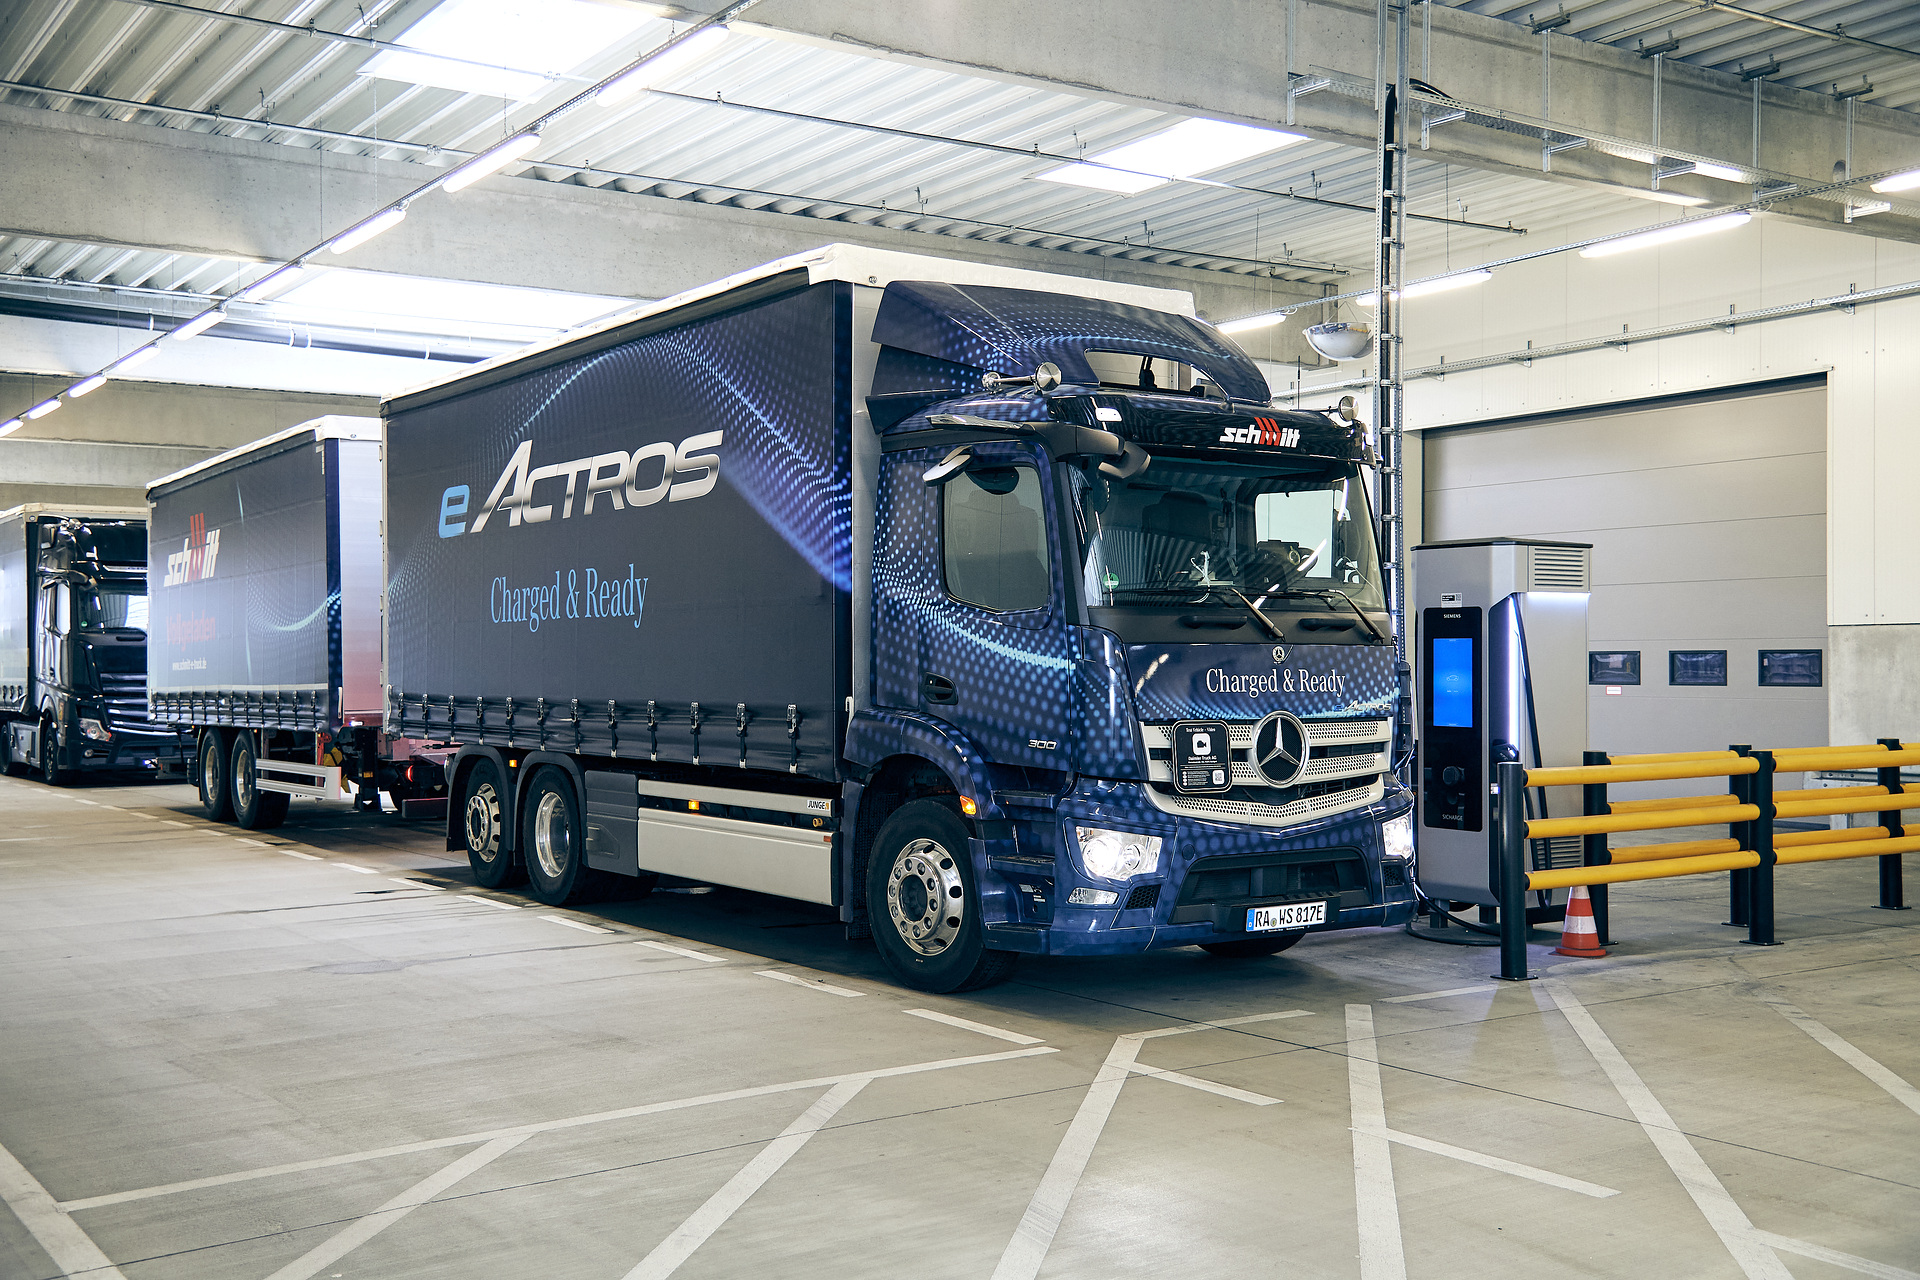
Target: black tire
[
  {"x": 50, "y": 769},
  {"x": 253, "y": 809},
  {"x": 920, "y": 857},
  {"x": 553, "y": 839},
  {"x": 1253, "y": 948},
  {"x": 482, "y": 809},
  {"x": 216, "y": 784}
]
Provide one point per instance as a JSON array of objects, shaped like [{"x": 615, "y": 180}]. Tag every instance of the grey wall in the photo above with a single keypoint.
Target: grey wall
[{"x": 1708, "y": 522}]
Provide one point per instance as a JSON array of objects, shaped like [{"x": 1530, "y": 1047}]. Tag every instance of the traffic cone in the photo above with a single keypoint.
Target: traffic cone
[{"x": 1578, "y": 937}]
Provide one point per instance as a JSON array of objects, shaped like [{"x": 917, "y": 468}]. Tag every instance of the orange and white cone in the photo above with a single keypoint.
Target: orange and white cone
[{"x": 1578, "y": 936}]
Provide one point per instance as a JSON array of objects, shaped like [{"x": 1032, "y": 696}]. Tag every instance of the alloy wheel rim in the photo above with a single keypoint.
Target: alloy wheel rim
[
  {"x": 483, "y": 836},
  {"x": 242, "y": 780},
  {"x": 552, "y": 836},
  {"x": 925, "y": 897}
]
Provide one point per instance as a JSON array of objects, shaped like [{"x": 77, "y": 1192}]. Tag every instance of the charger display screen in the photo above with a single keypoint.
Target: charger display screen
[{"x": 1453, "y": 682}]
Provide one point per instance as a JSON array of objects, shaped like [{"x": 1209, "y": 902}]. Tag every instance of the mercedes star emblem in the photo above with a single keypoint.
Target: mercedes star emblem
[
  {"x": 1280, "y": 748},
  {"x": 1279, "y": 653}
]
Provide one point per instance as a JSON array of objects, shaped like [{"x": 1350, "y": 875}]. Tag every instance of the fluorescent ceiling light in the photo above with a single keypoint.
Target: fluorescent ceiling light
[
  {"x": 138, "y": 356},
  {"x": 1441, "y": 285},
  {"x": 1898, "y": 182},
  {"x": 1667, "y": 235},
  {"x": 274, "y": 283},
  {"x": 354, "y": 237},
  {"x": 377, "y": 300},
  {"x": 1665, "y": 197},
  {"x": 1724, "y": 172},
  {"x": 198, "y": 325},
  {"x": 490, "y": 162},
  {"x": 1861, "y": 208},
  {"x": 11, "y": 425},
  {"x": 42, "y": 409},
  {"x": 541, "y": 38},
  {"x": 1248, "y": 323},
  {"x": 85, "y": 385},
  {"x": 682, "y": 57},
  {"x": 1190, "y": 147}
]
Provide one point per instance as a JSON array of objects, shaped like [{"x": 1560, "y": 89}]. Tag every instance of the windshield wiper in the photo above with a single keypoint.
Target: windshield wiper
[
  {"x": 1254, "y": 609},
  {"x": 1379, "y": 636}
]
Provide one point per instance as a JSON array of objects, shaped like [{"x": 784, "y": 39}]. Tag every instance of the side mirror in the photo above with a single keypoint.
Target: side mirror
[
  {"x": 1131, "y": 462},
  {"x": 948, "y": 467},
  {"x": 1045, "y": 378}
]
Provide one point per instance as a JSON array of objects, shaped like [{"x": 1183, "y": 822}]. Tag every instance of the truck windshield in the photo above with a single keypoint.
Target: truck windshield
[
  {"x": 111, "y": 605},
  {"x": 1186, "y": 531}
]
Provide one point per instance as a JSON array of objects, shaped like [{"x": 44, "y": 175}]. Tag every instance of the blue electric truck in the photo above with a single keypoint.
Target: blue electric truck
[{"x": 999, "y": 610}]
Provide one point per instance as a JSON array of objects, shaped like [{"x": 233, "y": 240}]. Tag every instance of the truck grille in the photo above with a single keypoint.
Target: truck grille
[
  {"x": 126, "y": 697},
  {"x": 1305, "y": 808},
  {"x": 1339, "y": 749}
]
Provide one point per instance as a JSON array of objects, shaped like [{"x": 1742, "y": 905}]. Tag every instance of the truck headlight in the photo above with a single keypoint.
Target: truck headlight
[
  {"x": 1117, "y": 855},
  {"x": 94, "y": 729},
  {"x": 1396, "y": 837}
]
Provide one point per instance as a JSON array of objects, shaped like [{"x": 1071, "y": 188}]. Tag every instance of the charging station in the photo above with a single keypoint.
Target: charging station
[{"x": 1501, "y": 627}]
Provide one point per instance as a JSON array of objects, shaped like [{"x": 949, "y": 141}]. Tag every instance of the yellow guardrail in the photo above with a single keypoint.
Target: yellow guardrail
[{"x": 1605, "y": 823}]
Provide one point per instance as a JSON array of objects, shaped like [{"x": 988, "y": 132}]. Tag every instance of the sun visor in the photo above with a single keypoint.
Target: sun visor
[{"x": 961, "y": 331}]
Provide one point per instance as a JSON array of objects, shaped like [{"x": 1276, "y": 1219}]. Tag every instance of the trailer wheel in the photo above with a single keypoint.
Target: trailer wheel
[
  {"x": 924, "y": 907},
  {"x": 552, "y": 840},
  {"x": 1253, "y": 948},
  {"x": 50, "y": 768},
  {"x": 216, "y": 791},
  {"x": 493, "y": 866},
  {"x": 254, "y": 809}
]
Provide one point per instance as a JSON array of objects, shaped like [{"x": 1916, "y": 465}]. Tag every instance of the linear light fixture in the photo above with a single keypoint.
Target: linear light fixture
[
  {"x": 199, "y": 324},
  {"x": 697, "y": 47},
  {"x": 1724, "y": 172},
  {"x": 1190, "y": 147},
  {"x": 1666, "y": 197},
  {"x": 1442, "y": 285},
  {"x": 275, "y": 282},
  {"x": 42, "y": 409},
  {"x": 133, "y": 359},
  {"x": 1247, "y": 324},
  {"x": 490, "y": 161},
  {"x": 355, "y": 236},
  {"x": 11, "y": 425},
  {"x": 1898, "y": 182},
  {"x": 85, "y": 385},
  {"x": 1667, "y": 235}
]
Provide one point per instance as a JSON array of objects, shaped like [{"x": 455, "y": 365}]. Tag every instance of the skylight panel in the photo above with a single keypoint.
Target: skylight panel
[
  {"x": 1191, "y": 147},
  {"x": 537, "y": 38},
  {"x": 377, "y": 300}
]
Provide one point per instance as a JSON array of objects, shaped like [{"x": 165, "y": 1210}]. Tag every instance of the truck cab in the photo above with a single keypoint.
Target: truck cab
[{"x": 75, "y": 695}]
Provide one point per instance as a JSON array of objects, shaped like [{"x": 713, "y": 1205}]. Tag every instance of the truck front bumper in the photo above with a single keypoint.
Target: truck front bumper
[{"x": 1207, "y": 877}]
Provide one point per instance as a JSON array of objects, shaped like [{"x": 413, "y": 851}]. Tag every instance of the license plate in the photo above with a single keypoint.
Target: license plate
[{"x": 1293, "y": 915}]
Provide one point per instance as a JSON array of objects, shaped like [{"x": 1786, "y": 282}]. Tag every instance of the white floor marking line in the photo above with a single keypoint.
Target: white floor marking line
[
  {"x": 489, "y": 902},
  {"x": 357, "y": 1233},
  {"x": 1439, "y": 995},
  {"x": 261, "y": 844},
  {"x": 1382, "y": 1256},
  {"x": 1223, "y": 1023},
  {"x": 544, "y": 1126},
  {"x": 679, "y": 951},
  {"x": 94, "y": 803},
  {"x": 1709, "y": 1196},
  {"x": 1204, "y": 1086},
  {"x": 1495, "y": 1163},
  {"x": 169, "y": 822},
  {"x": 308, "y": 857},
  {"x": 365, "y": 871},
  {"x": 577, "y": 924},
  {"x": 412, "y": 884},
  {"x": 1903, "y": 1093},
  {"x": 71, "y": 1249},
  {"x": 1820, "y": 1253},
  {"x": 808, "y": 983},
  {"x": 1034, "y": 1236},
  {"x": 965, "y": 1024},
  {"x": 722, "y": 1204}
]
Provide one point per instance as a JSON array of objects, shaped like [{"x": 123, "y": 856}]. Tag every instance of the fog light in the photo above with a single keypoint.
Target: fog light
[
  {"x": 1117, "y": 855},
  {"x": 95, "y": 730},
  {"x": 1396, "y": 837},
  {"x": 1092, "y": 898}
]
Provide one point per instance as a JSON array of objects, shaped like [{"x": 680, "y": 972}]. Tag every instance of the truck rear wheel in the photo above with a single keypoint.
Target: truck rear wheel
[
  {"x": 481, "y": 813},
  {"x": 1253, "y": 948},
  {"x": 551, "y": 840},
  {"x": 50, "y": 756},
  {"x": 254, "y": 809},
  {"x": 923, "y": 905},
  {"x": 216, "y": 793}
]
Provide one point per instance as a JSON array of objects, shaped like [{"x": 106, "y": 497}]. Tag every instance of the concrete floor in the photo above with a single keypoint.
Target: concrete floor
[{"x": 317, "y": 1053}]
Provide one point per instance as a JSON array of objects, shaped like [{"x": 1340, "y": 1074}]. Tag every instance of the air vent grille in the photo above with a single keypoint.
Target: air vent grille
[{"x": 1560, "y": 569}]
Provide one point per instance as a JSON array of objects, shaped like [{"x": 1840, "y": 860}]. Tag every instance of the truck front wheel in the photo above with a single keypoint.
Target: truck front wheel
[
  {"x": 253, "y": 809},
  {"x": 216, "y": 792},
  {"x": 550, "y": 843},
  {"x": 50, "y": 756},
  {"x": 923, "y": 905},
  {"x": 493, "y": 866}
]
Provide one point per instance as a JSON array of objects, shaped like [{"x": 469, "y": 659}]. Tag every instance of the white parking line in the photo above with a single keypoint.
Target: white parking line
[
  {"x": 679, "y": 951},
  {"x": 94, "y": 803},
  {"x": 365, "y": 871},
  {"x": 576, "y": 924},
  {"x": 361, "y": 1230},
  {"x": 1439, "y": 995},
  {"x": 1820, "y": 1253},
  {"x": 1382, "y": 1255},
  {"x": 1902, "y": 1092},
  {"x": 1709, "y": 1196},
  {"x": 71, "y": 1249},
  {"x": 967, "y": 1024},
  {"x": 808, "y": 983},
  {"x": 1223, "y": 1024},
  {"x": 1204, "y": 1086},
  {"x": 417, "y": 884},
  {"x": 258, "y": 844},
  {"x": 722, "y": 1204},
  {"x": 169, "y": 822},
  {"x": 1498, "y": 1165},
  {"x": 308, "y": 857},
  {"x": 489, "y": 902}
]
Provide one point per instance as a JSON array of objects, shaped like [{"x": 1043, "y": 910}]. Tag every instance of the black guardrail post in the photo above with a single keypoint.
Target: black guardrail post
[
  {"x": 1593, "y": 849},
  {"x": 1892, "y": 891},
  {"x": 1510, "y": 835},
  {"x": 1760, "y": 893},
  {"x": 1740, "y": 881}
]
